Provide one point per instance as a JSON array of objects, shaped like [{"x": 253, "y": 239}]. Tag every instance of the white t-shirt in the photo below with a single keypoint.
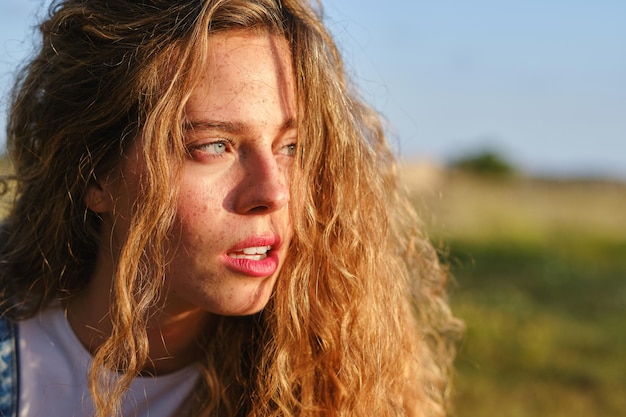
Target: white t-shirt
[{"x": 53, "y": 376}]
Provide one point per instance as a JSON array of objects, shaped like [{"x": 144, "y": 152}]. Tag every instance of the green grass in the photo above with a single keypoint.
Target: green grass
[
  {"x": 545, "y": 330},
  {"x": 540, "y": 271},
  {"x": 5, "y": 169}
]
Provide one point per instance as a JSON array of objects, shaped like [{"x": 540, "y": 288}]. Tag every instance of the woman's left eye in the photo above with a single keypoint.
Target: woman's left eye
[{"x": 289, "y": 150}]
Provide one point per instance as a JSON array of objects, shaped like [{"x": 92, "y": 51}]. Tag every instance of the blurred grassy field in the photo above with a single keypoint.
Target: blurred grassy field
[
  {"x": 540, "y": 271},
  {"x": 5, "y": 169}
]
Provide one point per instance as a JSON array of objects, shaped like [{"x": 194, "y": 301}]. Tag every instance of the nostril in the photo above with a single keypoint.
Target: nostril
[{"x": 259, "y": 209}]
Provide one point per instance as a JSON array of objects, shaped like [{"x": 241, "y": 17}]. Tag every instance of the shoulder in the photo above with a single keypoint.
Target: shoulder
[
  {"x": 8, "y": 366},
  {"x": 8, "y": 331}
]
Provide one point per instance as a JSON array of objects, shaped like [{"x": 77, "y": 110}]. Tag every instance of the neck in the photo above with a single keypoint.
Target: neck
[
  {"x": 173, "y": 339},
  {"x": 172, "y": 330}
]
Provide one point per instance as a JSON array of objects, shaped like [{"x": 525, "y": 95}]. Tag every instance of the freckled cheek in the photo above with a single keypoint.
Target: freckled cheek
[
  {"x": 199, "y": 217},
  {"x": 199, "y": 199},
  {"x": 193, "y": 206}
]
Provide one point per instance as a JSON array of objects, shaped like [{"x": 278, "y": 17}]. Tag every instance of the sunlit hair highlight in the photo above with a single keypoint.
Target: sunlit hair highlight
[{"x": 358, "y": 323}]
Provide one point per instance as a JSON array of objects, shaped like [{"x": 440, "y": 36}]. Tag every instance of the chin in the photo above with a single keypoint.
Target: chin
[
  {"x": 247, "y": 305},
  {"x": 256, "y": 307}
]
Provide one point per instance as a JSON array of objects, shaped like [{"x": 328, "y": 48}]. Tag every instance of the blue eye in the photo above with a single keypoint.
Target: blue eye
[
  {"x": 206, "y": 151},
  {"x": 219, "y": 147},
  {"x": 289, "y": 150}
]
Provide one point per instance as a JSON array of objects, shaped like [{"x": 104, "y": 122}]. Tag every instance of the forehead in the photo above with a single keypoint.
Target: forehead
[
  {"x": 248, "y": 56},
  {"x": 247, "y": 73},
  {"x": 228, "y": 43}
]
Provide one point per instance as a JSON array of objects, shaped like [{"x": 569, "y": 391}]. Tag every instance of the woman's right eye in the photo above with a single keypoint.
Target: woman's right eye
[{"x": 215, "y": 148}]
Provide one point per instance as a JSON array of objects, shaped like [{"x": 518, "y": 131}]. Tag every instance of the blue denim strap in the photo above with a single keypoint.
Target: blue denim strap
[{"x": 8, "y": 368}]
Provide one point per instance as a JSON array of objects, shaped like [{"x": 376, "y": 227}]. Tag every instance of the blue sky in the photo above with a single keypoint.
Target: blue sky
[{"x": 542, "y": 81}]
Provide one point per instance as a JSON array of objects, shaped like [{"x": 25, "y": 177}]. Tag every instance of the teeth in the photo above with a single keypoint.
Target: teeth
[
  {"x": 256, "y": 253},
  {"x": 257, "y": 250},
  {"x": 251, "y": 257}
]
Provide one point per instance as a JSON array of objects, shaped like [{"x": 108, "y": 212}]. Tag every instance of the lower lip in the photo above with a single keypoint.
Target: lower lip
[{"x": 252, "y": 268}]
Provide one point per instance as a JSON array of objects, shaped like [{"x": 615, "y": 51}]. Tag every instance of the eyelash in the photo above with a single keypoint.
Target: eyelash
[{"x": 226, "y": 143}]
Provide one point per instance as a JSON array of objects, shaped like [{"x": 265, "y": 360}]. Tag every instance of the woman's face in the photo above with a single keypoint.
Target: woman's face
[{"x": 232, "y": 229}]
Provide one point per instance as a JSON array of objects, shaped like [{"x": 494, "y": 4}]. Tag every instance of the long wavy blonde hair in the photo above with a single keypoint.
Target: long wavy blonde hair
[{"x": 358, "y": 323}]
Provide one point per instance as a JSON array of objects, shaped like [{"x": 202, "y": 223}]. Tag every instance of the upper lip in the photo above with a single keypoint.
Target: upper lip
[{"x": 271, "y": 240}]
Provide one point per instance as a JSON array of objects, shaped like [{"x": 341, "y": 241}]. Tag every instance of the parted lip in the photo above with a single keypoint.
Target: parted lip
[
  {"x": 272, "y": 240},
  {"x": 263, "y": 262}
]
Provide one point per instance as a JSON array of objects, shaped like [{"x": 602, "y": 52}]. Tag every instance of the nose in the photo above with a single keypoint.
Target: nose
[{"x": 264, "y": 187}]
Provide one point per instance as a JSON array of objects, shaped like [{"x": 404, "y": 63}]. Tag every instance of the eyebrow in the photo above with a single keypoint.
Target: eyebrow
[{"x": 233, "y": 128}]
